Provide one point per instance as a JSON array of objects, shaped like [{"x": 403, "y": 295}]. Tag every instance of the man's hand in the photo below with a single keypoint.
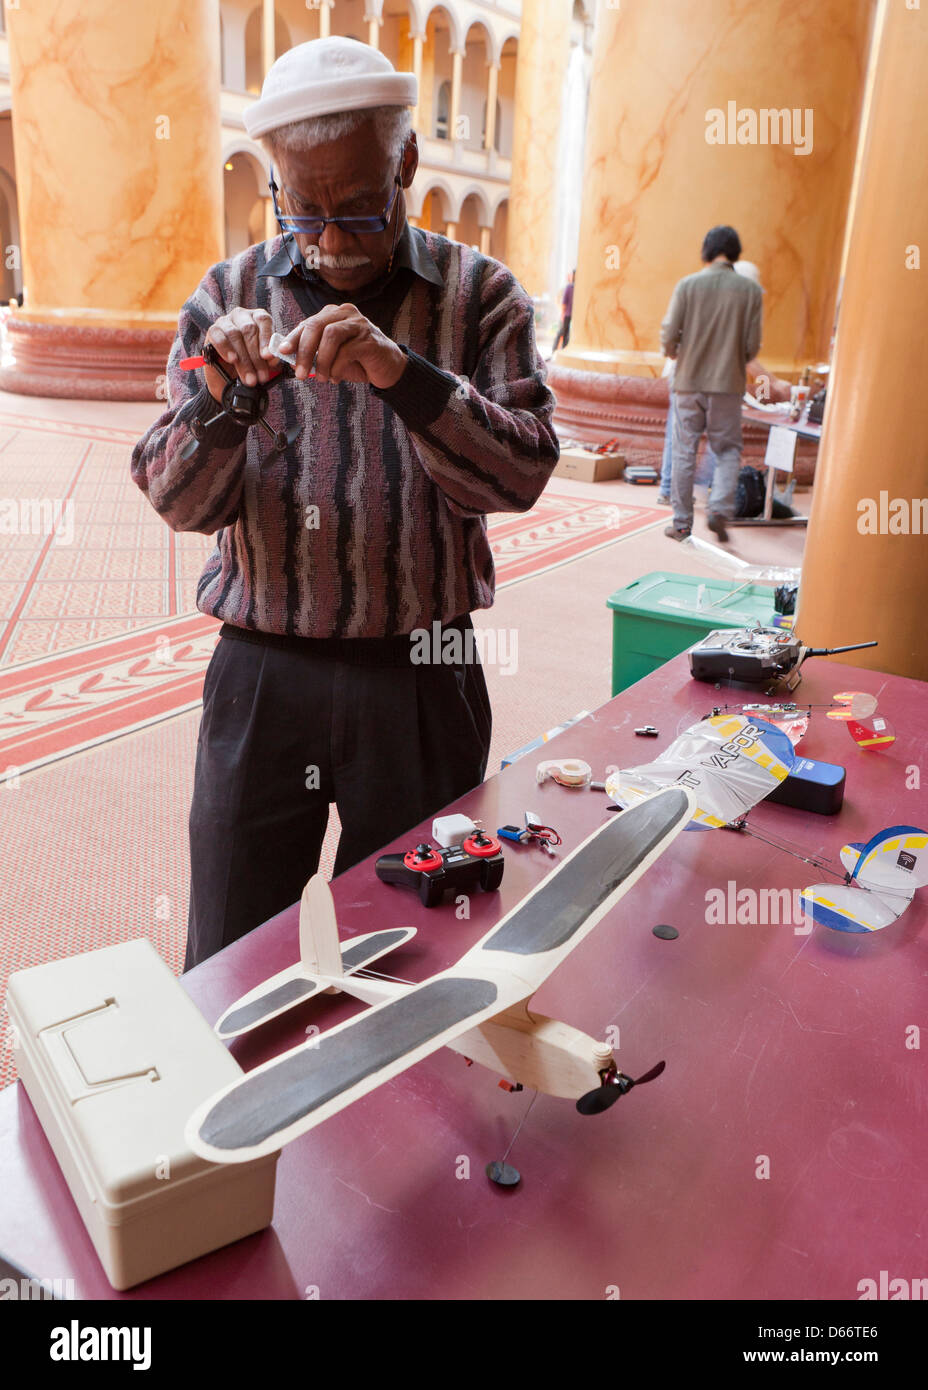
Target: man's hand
[
  {"x": 241, "y": 339},
  {"x": 340, "y": 344}
]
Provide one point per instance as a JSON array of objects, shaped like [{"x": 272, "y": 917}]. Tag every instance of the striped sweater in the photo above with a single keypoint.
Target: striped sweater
[{"x": 373, "y": 522}]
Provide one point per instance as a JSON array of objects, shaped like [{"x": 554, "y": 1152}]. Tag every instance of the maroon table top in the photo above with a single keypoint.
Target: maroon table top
[
  {"x": 785, "y": 1052},
  {"x": 806, "y": 429}
]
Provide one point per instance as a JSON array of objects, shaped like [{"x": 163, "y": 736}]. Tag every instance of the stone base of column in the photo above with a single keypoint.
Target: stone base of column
[
  {"x": 79, "y": 362},
  {"x": 596, "y": 406}
]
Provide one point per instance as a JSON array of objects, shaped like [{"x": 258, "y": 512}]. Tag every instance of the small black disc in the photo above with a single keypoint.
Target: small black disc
[
  {"x": 665, "y": 932},
  {"x": 503, "y": 1174}
]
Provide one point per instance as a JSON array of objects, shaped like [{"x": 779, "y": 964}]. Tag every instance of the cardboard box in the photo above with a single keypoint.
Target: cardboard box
[
  {"x": 115, "y": 1057},
  {"x": 588, "y": 467}
]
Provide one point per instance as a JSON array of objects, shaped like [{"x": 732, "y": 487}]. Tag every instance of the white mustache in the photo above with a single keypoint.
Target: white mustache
[{"x": 327, "y": 262}]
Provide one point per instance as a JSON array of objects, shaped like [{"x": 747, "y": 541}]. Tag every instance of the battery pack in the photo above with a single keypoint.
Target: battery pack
[{"x": 812, "y": 786}]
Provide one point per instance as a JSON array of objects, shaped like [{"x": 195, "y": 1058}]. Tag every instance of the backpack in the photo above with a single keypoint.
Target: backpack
[{"x": 751, "y": 495}]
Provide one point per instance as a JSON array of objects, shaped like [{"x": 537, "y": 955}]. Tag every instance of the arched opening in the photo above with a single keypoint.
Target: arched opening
[
  {"x": 436, "y": 210},
  {"x": 436, "y": 72},
  {"x": 500, "y": 230},
  {"x": 243, "y": 206},
  {"x": 254, "y": 58},
  {"x": 475, "y": 71},
  {"x": 507, "y": 97},
  {"x": 348, "y": 19},
  {"x": 473, "y": 216},
  {"x": 443, "y": 112}
]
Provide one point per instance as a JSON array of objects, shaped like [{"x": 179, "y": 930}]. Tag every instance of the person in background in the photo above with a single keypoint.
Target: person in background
[
  {"x": 712, "y": 329},
  {"x": 567, "y": 308},
  {"x": 770, "y": 388}
]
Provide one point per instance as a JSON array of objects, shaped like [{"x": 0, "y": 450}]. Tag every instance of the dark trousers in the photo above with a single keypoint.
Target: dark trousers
[
  {"x": 563, "y": 334},
  {"x": 283, "y": 734}
]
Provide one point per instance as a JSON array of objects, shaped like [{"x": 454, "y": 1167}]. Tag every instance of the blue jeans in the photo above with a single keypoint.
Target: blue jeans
[
  {"x": 716, "y": 414},
  {"x": 705, "y": 467}
]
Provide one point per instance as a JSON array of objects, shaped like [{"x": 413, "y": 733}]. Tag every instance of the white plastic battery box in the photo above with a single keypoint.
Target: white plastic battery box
[{"x": 114, "y": 1057}]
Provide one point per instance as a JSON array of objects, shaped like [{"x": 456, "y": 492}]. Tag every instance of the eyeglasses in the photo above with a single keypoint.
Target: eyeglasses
[{"x": 315, "y": 226}]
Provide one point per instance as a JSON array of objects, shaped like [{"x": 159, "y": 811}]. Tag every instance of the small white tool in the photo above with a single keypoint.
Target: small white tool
[{"x": 274, "y": 344}]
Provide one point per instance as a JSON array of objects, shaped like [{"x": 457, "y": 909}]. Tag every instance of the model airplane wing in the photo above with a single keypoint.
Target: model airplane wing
[
  {"x": 287, "y": 1096},
  {"x": 729, "y": 761}
]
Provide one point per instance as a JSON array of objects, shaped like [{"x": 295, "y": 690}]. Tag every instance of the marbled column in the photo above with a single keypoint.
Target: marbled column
[
  {"x": 116, "y": 131},
  {"x": 865, "y": 571},
  {"x": 655, "y": 181},
  {"x": 544, "y": 48},
  {"x": 268, "y": 56}
]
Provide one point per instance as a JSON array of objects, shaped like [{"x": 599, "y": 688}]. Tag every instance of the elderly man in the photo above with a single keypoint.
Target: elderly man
[{"x": 419, "y": 404}]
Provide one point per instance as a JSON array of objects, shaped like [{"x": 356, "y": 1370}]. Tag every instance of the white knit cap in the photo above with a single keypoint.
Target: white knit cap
[{"x": 325, "y": 76}]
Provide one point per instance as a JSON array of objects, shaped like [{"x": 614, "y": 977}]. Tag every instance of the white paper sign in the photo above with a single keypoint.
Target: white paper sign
[{"x": 781, "y": 448}]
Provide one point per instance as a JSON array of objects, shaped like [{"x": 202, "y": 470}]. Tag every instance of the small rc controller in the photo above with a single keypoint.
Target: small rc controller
[{"x": 477, "y": 863}]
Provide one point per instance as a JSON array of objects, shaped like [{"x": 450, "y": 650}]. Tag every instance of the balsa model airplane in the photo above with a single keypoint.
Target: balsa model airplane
[{"x": 479, "y": 1007}]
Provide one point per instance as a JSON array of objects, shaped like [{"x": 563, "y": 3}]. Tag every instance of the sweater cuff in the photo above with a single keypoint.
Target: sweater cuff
[
  {"x": 421, "y": 393},
  {"x": 200, "y": 410}
]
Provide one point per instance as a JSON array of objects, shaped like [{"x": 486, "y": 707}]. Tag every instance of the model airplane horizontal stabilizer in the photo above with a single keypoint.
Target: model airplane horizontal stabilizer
[
  {"x": 889, "y": 868},
  {"x": 296, "y": 984},
  {"x": 287, "y": 1096}
]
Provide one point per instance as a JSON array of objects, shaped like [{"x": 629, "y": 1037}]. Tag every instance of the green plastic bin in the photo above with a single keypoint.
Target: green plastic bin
[{"x": 661, "y": 614}]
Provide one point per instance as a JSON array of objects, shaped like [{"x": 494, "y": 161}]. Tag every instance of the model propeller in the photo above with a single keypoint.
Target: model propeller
[
  {"x": 245, "y": 404},
  {"x": 614, "y": 1084}
]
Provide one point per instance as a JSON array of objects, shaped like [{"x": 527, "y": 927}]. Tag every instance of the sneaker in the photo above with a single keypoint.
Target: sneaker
[
  {"x": 677, "y": 533},
  {"x": 716, "y": 523},
  {"x": 663, "y": 500}
]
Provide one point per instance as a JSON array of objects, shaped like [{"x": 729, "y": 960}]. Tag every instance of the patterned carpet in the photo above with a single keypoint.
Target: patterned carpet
[{"x": 102, "y": 655}]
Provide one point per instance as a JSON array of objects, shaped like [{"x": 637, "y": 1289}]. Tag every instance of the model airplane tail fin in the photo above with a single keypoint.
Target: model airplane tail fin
[{"x": 320, "y": 952}]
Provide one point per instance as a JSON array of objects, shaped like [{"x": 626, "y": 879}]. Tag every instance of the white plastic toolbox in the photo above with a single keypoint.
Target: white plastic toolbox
[{"x": 114, "y": 1057}]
